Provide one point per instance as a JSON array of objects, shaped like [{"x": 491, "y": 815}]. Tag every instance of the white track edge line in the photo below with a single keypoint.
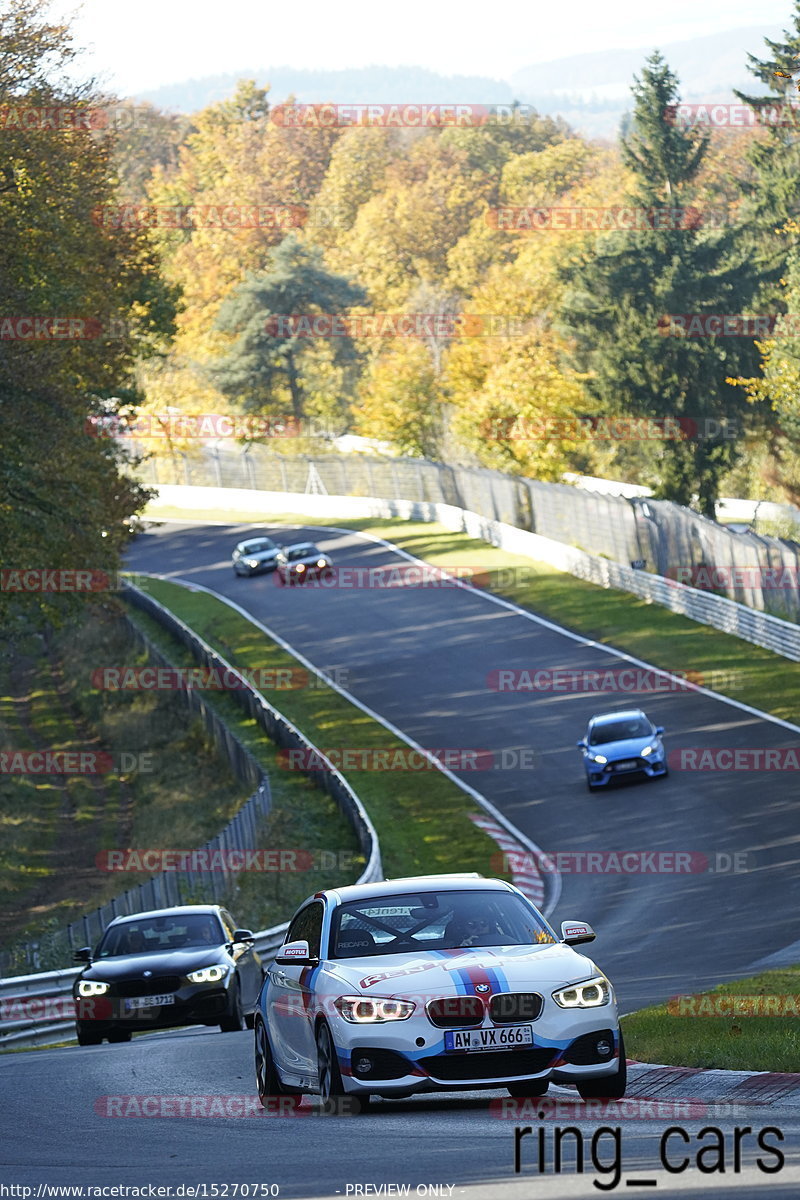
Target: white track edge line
[
  {"x": 393, "y": 729},
  {"x": 501, "y": 602}
]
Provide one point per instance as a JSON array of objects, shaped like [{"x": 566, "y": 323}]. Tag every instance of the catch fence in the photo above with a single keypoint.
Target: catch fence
[{"x": 658, "y": 536}]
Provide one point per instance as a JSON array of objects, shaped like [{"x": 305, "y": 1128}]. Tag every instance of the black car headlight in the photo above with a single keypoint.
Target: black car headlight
[
  {"x": 591, "y": 994},
  {"x": 211, "y": 974},
  {"x": 92, "y": 987}
]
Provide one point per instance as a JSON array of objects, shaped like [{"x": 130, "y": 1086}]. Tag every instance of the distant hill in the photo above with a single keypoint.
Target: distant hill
[
  {"x": 705, "y": 66},
  {"x": 591, "y": 91},
  {"x": 383, "y": 85}
]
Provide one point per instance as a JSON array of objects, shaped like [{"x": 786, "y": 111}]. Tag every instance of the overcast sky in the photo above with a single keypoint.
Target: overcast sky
[{"x": 141, "y": 44}]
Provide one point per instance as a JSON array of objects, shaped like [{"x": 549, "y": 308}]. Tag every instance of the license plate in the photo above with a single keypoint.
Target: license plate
[
  {"x": 147, "y": 1002},
  {"x": 456, "y": 1040},
  {"x": 627, "y": 766}
]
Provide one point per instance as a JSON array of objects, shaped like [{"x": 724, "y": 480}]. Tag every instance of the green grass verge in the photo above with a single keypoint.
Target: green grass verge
[
  {"x": 684, "y": 1034},
  {"x": 722, "y": 662},
  {"x": 421, "y": 817},
  {"x": 302, "y": 816},
  {"x": 53, "y": 827}
]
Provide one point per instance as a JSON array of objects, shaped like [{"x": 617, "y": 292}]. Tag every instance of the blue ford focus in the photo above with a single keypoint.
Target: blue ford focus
[{"x": 622, "y": 743}]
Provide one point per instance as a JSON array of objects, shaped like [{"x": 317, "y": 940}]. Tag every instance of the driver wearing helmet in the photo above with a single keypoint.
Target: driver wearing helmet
[{"x": 472, "y": 925}]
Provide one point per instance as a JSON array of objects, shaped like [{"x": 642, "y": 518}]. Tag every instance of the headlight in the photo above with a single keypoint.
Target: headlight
[
  {"x": 592, "y": 994},
  {"x": 300, "y": 568},
  {"x": 369, "y": 1010},
  {"x": 321, "y": 562},
  {"x": 650, "y": 750},
  {"x": 251, "y": 562},
  {"x": 92, "y": 987},
  {"x": 601, "y": 758},
  {"x": 208, "y": 974}
]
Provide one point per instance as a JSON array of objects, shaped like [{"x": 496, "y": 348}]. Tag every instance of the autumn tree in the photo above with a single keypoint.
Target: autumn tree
[
  {"x": 95, "y": 301},
  {"x": 271, "y": 356}
]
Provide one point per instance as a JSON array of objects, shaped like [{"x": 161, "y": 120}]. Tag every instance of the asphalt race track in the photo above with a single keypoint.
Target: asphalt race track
[
  {"x": 420, "y": 657},
  {"x": 53, "y": 1101}
]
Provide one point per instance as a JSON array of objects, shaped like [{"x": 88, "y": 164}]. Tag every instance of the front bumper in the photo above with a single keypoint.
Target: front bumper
[
  {"x": 400, "y": 1067},
  {"x": 603, "y": 774},
  {"x": 242, "y": 569},
  {"x": 292, "y": 577},
  {"x": 193, "y": 1004}
]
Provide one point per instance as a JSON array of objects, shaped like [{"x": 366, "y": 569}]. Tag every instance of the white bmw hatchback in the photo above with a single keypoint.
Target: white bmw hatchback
[{"x": 435, "y": 983}]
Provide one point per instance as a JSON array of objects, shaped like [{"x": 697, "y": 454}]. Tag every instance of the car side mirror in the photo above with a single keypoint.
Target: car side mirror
[
  {"x": 659, "y": 730},
  {"x": 242, "y": 935},
  {"x": 84, "y": 955},
  {"x": 573, "y": 933},
  {"x": 581, "y": 745},
  {"x": 295, "y": 952}
]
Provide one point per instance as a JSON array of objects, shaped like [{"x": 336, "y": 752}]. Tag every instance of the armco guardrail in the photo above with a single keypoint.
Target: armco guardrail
[
  {"x": 762, "y": 629},
  {"x": 52, "y": 1021},
  {"x": 37, "y": 1010},
  {"x": 172, "y": 887},
  {"x": 274, "y": 724},
  {"x": 190, "y": 886}
]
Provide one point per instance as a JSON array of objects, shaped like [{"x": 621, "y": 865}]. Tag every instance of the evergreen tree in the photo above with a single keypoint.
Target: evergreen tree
[
  {"x": 621, "y": 294},
  {"x": 263, "y": 358},
  {"x": 773, "y": 195}
]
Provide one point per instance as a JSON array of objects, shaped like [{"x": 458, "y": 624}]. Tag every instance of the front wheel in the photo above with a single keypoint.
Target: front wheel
[
  {"x": 331, "y": 1088},
  {"x": 234, "y": 1022},
  {"x": 88, "y": 1037},
  {"x": 608, "y": 1087}
]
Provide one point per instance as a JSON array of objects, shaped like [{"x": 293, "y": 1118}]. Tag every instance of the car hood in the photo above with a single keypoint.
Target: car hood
[
  {"x": 454, "y": 972},
  {"x": 165, "y": 962},
  {"x": 628, "y": 748},
  {"x": 309, "y": 558},
  {"x": 262, "y": 555}
]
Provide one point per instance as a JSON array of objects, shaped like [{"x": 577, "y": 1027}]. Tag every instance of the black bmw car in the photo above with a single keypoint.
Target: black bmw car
[
  {"x": 296, "y": 564},
  {"x": 189, "y": 965}
]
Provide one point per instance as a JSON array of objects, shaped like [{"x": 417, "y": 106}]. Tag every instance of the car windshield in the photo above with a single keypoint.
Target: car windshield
[
  {"x": 620, "y": 731},
  {"x": 443, "y": 920},
  {"x": 147, "y": 935},
  {"x": 302, "y": 552},
  {"x": 258, "y": 547}
]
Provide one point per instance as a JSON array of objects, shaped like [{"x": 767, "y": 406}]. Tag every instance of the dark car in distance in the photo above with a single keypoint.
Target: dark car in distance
[
  {"x": 188, "y": 965},
  {"x": 296, "y": 564}
]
